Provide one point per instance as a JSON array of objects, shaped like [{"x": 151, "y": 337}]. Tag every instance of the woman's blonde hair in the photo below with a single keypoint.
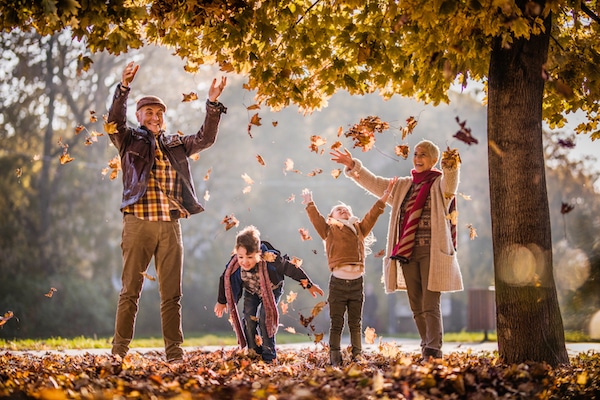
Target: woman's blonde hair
[{"x": 430, "y": 148}]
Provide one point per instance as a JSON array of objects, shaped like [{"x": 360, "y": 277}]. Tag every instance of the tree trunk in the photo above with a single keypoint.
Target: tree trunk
[{"x": 529, "y": 323}]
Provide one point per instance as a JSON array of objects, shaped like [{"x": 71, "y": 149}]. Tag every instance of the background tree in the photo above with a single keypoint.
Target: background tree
[{"x": 303, "y": 52}]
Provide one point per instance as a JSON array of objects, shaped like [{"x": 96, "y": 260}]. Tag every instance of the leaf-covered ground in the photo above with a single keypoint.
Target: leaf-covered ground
[{"x": 297, "y": 374}]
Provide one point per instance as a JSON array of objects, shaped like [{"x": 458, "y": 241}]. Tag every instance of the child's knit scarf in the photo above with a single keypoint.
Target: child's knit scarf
[{"x": 268, "y": 298}]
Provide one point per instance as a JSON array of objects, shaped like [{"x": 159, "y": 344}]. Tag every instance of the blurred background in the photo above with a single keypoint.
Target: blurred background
[{"x": 61, "y": 224}]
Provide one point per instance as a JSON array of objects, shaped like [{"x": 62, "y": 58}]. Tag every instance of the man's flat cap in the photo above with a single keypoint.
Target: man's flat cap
[{"x": 151, "y": 101}]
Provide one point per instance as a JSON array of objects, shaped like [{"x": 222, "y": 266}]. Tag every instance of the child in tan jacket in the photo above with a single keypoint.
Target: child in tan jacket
[{"x": 347, "y": 239}]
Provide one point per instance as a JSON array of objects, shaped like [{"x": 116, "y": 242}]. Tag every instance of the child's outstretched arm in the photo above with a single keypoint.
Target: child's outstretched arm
[
  {"x": 386, "y": 193},
  {"x": 312, "y": 288}
]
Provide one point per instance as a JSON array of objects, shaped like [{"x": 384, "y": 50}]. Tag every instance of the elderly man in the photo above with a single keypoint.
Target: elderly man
[{"x": 157, "y": 191}]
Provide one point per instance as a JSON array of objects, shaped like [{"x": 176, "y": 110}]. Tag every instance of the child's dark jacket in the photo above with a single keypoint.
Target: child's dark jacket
[{"x": 278, "y": 270}]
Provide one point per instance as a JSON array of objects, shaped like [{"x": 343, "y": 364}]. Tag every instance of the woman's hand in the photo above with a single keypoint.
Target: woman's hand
[{"x": 344, "y": 158}]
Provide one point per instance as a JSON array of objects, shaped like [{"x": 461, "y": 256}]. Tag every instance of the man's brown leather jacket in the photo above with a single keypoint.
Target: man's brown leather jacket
[{"x": 137, "y": 150}]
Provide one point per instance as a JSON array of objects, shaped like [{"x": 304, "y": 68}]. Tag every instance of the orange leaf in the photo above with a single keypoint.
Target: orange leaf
[
  {"x": 230, "y": 221},
  {"x": 304, "y": 235},
  {"x": 191, "y": 96}
]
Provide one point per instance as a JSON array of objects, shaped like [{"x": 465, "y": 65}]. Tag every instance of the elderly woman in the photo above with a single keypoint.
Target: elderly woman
[{"x": 421, "y": 242}]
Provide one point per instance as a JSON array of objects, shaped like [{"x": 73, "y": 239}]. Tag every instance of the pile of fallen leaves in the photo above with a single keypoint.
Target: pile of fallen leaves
[{"x": 297, "y": 374}]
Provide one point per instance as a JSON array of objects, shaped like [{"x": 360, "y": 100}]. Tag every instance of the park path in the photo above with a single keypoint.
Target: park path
[{"x": 405, "y": 345}]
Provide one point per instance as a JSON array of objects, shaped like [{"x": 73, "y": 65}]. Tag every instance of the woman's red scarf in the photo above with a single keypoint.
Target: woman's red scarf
[
  {"x": 414, "y": 208},
  {"x": 268, "y": 298}
]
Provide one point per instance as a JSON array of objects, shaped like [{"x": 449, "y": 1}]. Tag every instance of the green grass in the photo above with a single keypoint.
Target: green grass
[{"x": 225, "y": 339}]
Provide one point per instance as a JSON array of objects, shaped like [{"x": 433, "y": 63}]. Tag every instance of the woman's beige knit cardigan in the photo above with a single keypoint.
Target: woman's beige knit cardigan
[{"x": 444, "y": 272}]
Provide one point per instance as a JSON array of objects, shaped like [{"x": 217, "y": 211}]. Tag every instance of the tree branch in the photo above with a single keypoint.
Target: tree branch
[{"x": 590, "y": 13}]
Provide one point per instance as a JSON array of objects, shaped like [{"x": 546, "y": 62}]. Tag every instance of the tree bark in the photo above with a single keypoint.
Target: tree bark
[{"x": 529, "y": 323}]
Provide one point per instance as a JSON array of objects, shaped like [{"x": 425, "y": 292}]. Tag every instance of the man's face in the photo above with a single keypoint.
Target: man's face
[
  {"x": 247, "y": 260},
  {"x": 151, "y": 116}
]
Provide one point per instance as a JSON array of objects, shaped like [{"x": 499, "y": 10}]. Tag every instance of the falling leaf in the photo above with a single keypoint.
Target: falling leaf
[
  {"x": 114, "y": 166},
  {"x": 50, "y": 292},
  {"x": 65, "y": 158},
  {"x": 255, "y": 120},
  {"x": 363, "y": 133},
  {"x": 274, "y": 123},
  {"x": 370, "y": 335},
  {"x": 566, "y": 208},
  {"x": 7, "y": 315},
  {"x": 207, "y": 175},
  {"x": 315, "y": 142},
  {"x": 402, "y": 150},
  {"x": 305, "y": 321},
  {"x": 110, "y": 127},
  {"x": 472, "y": 231},
  {"x": 291, "y": 297},
  {"x": 304, "y": 235},
  {"x": 180, "y": 133},
  {"x": 453, "y": 217},
  {"x": 296, "y": 261},
  {"x": 148, "y": 276},
  {"x": 284, "y": 307},
  {"x": 195, "y": 157},
  {"x": 230, "y": 221},
  {"x": 206, "y": 196},
  {"x": 291, "y": 199},
  {"x": 495, "y": 148},
  {"x": 191, "y": 96},
  {"x": 247, "y": 179},
  {"x": 258, "y": 340},
  {"x": 247, "y": 189},
  {"x": 250, "y": 131},
  {"x": 336, "y": 145},
  {"x": 318, "y": 337},
  {"x": 464, "y": 134},
  {"x": 316, "y": 310},
  {"x": 290, "y": 329},
  {"x": 566, "y": 143},
  {"x": 253, "y": 107},
  {"x": 269, "y": 256},
  {"x": 260, "y": 159},
  {"x": 78, "y": 129},
  {"x": 336, "y": 173},
  {"x": 340, "y": 131},
  {"x": 465, "y": 196},
  {"x": 19, "y": 172},
  {"x": 411, "y": 124},
  {"x": 380, "y": 253},
  {"x": 315, "y": 171}
]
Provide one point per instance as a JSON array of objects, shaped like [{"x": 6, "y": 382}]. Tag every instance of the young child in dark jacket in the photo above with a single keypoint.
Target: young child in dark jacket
[
  {"x": 346, "y": 240},
  {"x": 257, "y": 271}
]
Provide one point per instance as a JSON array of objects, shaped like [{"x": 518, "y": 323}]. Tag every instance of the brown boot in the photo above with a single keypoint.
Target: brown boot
[{"x": 335, "y": 358}]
